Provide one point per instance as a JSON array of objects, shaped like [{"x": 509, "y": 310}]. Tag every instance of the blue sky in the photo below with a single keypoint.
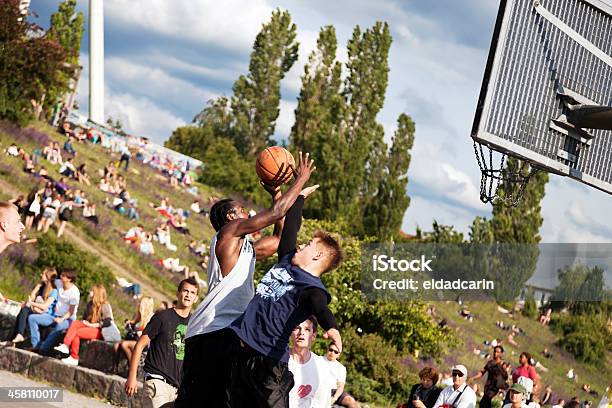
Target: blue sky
[{"x": 164, "y": 59}]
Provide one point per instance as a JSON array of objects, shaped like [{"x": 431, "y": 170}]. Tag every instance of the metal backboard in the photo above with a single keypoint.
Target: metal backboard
[{"x": 546, "y": 58}]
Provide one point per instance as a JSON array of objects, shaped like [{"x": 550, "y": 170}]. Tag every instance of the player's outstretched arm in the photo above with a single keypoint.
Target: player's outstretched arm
[
  {"x": 267, "y": 246},
  {"x": 315, "y": 300},
  {"x": 267, "y": 217}
]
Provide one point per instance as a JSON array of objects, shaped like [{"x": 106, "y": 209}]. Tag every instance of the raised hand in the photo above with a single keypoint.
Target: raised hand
[
  {"x": 334, "y": 335},
  {"x": 309, "y": 190},
  {"x": 305, "y": 167},
  {"x": 272, "y": 190}
]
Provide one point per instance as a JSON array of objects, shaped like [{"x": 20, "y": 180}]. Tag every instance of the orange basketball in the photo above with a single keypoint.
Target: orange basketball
[{"x": 268, "y": 166}]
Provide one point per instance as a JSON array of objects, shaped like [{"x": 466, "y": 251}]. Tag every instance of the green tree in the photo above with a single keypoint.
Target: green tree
[
  {"x": 530, "y": 308},
  {"x": 319, "y": 103},
  {"x": 481, "y": 231},
  {"x": 384, "y": 212},
  {"x": 223, "y": 167},
  {"x": 521, "y": 223},
  {"x": 193, "y": 141},
  {"x": 63, "y": 255},
  {"x": 67, "y": 29},
  {"x": 256, "y": 99},
  {"x": 217, "y": 116},
  {"x": 318, "y": 117},
  {"x": 364, "y": 90},
  {"x": 586, "y": 336},
  {"x": 582, "y": 290},
  {"x": 364, "y": 181},
  {"x": 30, "y": 64},
  {"x": 444, "y": 234},
  {"x": 116, "y": 125},
  {"x": 518, "y": 225}
]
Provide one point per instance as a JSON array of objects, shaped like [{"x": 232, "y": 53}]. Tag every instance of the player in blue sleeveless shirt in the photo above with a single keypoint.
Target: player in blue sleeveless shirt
[{"x": 287, "y": 295}]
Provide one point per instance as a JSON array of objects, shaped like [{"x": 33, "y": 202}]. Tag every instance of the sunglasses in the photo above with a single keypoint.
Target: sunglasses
[
  {"x": 333, "y": 351},
  {"x": 457, "y": 374}
]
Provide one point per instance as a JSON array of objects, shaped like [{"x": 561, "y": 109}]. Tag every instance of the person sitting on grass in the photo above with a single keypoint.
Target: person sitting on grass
[
  {"x": 68, "y": 148},
  {"x": 62, "y": 187},
  {"x": 98, "y": 314},
  {"x": 49, "y": 214},
  {"x": 65, "y": 213},
  {"x": 104, "y": 185},
  {"x": 134, "y": 235},
  {"x": 81, "y": 175},
  {"x": 28, "y": 165},
  {"x": 163, "y": 236},
  {"x": 68, "y": 169},
  {"x": 146, "y": 244},
  {"x": 89, "y": 213}
]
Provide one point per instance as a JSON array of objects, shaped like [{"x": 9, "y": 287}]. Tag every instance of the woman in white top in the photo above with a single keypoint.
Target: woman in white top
[{"x": 51, "y": 206}]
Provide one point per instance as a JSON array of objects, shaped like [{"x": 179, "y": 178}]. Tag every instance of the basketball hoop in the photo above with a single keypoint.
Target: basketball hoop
[{"x": 492, "y": 178}]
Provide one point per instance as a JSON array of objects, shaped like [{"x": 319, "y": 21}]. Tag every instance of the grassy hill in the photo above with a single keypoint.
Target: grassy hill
[
  {"x": 536, "y": 338},
  {"x": 144, "y": 183},
  {"x": 147, "y": 185}
]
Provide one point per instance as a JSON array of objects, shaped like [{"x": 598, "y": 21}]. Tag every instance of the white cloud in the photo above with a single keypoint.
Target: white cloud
[
  {"x": 231, "y": 24},
  {"x": 206, "y": 73},
  {"x": 141, "y": 116},
  {"x": 285, "y": 120},
  {"x": 422, "y": 213},
  {"x": 154, "y": 83},
  {"x": 441, "y": 178}
]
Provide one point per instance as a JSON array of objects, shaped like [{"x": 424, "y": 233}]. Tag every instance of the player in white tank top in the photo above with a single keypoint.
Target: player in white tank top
[{"x": 227, "y": 296}]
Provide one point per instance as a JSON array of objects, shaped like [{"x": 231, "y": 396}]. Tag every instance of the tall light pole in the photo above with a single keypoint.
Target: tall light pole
[{"x": 96, "y": 61}]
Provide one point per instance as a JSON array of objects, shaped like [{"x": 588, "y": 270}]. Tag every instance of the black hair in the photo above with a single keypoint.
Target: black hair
[
  {"x": 500, "y": 347},
  {"x": 189, "y": 281},
  {"x": 219, "y": 212},
  {"x": 527, "y": 356}
]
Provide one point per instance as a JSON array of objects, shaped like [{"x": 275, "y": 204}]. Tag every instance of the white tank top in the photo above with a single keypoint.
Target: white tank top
[{"x": 227, "y": 296}]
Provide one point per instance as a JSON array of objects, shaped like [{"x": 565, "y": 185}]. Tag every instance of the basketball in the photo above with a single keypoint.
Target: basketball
[{"x": 268, "y": 166}]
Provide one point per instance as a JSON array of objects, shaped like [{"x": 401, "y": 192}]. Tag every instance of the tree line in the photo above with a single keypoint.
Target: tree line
[{"x": 37, "y": 66}]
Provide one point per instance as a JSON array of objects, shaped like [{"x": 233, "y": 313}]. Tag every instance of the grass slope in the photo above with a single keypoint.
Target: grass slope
[
  {"x": 536, "y": 338},
  {"x": 144, "y": 184}
]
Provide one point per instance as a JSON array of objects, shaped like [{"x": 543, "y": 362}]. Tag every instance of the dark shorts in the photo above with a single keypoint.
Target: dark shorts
[
  {"x": 206, "y": 370},
  {"x": 65, "y": 216},
  {"x": 341, "y": 397},
  {"x": 259, "y": 381}
]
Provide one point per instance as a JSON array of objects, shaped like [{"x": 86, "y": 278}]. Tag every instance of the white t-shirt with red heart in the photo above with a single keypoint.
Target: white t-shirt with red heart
[{"x": 312, "y": 383}]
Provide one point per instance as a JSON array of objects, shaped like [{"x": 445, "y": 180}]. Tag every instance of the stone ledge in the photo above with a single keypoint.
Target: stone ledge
[
  {"x": 84, "y": 380},
  {"x": 96, "y": 354}
]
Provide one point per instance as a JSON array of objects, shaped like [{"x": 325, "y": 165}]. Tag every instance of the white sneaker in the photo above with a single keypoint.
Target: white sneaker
[
  {"x": 70, "y": 361},
  {"x": 62, "y": 348}
]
